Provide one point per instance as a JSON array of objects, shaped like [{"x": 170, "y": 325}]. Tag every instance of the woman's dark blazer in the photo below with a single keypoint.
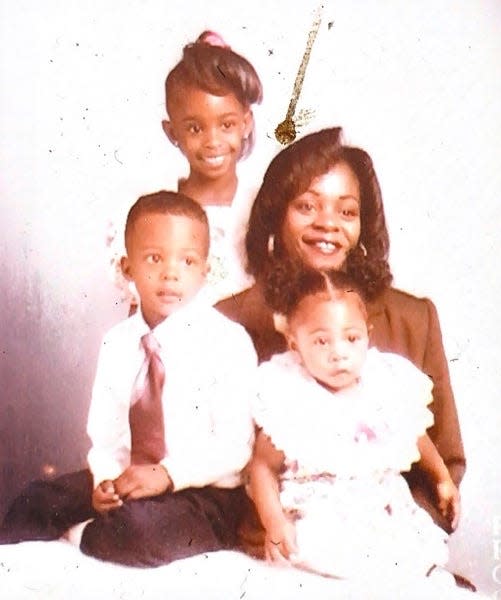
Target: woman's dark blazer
[{"x": 400, "y": 323}]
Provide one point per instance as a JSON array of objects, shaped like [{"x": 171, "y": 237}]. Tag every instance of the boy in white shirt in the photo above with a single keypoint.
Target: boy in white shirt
[{"x": 175, "y": 493}]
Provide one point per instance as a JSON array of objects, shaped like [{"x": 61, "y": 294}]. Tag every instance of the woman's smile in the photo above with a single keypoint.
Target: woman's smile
[{"x": 322, "y": 224}]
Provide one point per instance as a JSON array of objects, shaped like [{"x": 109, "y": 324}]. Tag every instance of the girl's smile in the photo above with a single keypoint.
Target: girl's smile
[{"x": 209, "y": 131}]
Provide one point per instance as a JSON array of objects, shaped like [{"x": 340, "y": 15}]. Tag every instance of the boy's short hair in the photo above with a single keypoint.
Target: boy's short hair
[{"x": 165, "y": 203}]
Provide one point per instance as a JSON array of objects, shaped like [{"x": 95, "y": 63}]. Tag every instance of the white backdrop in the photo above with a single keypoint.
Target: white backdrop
[{"x": 81, "y": 99}]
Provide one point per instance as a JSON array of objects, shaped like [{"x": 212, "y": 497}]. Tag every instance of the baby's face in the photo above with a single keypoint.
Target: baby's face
[
  {"x": 332, "y": 339},
  {"x": 167, "y": 261}
]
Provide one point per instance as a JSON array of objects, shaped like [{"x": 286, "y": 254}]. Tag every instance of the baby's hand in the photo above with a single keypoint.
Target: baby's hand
[
  {"x": 105, "y": 497},
  {"x": 142, "y": 481},
  {"x": 449, "y": 501},
  {"x": 280, "y": 543}
]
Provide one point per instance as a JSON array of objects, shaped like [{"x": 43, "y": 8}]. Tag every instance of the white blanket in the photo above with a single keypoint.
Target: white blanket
[{"x": 59, "y": 571}]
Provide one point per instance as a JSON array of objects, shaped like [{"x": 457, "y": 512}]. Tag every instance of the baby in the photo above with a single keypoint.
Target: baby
[{"x": 338, "y": 423}]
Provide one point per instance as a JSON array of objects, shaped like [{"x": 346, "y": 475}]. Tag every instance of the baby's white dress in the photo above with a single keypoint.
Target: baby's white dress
[{"x": 344, "y": 453}]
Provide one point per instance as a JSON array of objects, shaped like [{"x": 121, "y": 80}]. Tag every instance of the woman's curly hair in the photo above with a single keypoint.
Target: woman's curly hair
[{"x": 290, "y": 174}]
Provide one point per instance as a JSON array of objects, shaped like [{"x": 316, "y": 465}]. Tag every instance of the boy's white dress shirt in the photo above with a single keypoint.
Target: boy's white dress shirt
[{"x": 210, "y": 364}]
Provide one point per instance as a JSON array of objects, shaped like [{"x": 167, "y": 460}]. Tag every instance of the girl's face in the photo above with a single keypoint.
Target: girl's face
[
  {"x": 209, "y": 130},
  {"x": 331, "y": 338},
  {"x": 322, "y": 224}
]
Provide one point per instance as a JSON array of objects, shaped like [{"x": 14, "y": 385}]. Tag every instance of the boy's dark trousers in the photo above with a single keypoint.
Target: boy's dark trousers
[
  {"x": 47, "y": 508},
  {"x": 148, "y": 532}
]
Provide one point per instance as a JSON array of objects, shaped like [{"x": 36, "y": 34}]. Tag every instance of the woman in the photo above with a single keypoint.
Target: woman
[{"x": 320, "y": 204}]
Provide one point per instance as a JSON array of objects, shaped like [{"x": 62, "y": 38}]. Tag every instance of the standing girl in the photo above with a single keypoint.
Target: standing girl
[
  {"x": 209, "y": 98},
  {"x": 338, "y": 423}
]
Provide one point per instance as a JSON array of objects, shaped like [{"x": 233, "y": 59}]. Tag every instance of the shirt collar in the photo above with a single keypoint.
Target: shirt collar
[
  {"x": 138, "y": 322},
  {"x": 182, "y": 317}
]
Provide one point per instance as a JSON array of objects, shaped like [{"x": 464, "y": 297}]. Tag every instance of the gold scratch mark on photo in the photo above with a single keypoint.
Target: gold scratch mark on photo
[{"x": 285, "y": 131}]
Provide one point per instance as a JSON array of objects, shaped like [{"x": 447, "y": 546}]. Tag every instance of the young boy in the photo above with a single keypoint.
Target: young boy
[{"x": 165, "y": 475}]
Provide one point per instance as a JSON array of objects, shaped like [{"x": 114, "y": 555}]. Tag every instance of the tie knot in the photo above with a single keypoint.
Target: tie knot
[{"x": 150, "y": 344}]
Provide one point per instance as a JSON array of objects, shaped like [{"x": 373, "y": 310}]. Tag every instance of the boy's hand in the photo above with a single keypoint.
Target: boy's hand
[
  {"x": 449, "y": 501},
  {"x": 280, "y": 543},
  {"x": 142, "y": 481},
  {"x": 105, "y": 497}
]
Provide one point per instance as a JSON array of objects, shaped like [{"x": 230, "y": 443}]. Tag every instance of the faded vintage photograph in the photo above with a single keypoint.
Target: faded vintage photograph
[{"x": 250, "y": 299}]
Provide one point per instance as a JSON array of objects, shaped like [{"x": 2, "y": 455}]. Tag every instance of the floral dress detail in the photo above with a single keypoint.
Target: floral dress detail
[
  {"x": 227, "y": 225},
  {"x": 344, "y": 454}
]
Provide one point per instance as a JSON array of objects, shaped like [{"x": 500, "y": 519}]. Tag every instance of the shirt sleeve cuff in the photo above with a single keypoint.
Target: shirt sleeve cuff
[
  {"x": 102, "y": 471},
  {"x": 179, "y": 475}
]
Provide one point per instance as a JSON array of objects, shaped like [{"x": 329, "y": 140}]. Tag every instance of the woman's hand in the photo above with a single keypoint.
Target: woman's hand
[
  {"x": 449, "y": 501},
  {"x": 280, "y": 543},
  {"x": 447, "y": 493},
  {"x": 105, "y": 497}
]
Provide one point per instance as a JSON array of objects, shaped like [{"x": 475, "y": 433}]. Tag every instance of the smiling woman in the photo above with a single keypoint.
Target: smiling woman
[
  {"x": 320, "y": 206},
  {"x": 322, "y": 225}
]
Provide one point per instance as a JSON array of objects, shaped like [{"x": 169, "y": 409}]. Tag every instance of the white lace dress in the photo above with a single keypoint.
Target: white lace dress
[
  {"x": 342, "y": 486},
  {"x": 228, "y": 226}
]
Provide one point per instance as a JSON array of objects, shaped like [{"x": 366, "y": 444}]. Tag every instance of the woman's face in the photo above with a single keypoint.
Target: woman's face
[{"x": 322, "y": 224}]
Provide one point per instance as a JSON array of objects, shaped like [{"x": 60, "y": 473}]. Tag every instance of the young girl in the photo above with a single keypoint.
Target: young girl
[
  {"x": 338, "y": 423},
  {"x": 209, "y": 98}
]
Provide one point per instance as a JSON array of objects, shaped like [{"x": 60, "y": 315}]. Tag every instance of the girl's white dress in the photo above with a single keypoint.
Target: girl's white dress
[
  {"x": 228, "y": 226},
  {"x": 344, "y": 453}
]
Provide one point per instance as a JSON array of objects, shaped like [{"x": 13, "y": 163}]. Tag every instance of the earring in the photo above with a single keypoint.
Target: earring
[
  {"x": 280, "y": 323},
  {"x": 271, "y": 245},
  {"x": 363, "y": 249}
]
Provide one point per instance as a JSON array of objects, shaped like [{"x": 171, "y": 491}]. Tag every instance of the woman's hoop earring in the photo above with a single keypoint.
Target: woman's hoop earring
[
  {"x": 271, "y": 244},
  {"x": 363, "y": 249}
]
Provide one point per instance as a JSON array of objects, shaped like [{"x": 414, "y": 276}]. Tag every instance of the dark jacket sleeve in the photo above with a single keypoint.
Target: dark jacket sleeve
[
  {"x": 446, "y": 432},
  {"x": 409, "y": 326}
]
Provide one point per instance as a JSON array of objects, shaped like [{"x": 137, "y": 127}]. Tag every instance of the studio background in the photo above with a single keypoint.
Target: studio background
[{"x": 81, "y": 100}]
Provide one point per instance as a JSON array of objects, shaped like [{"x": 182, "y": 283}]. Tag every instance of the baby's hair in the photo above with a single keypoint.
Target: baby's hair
[
  {"x": 285, "y": 289},
  {"x": 166, "y": 203},
  {"x": 289, "y": 174},
  {"x": 210, "y": 65}
]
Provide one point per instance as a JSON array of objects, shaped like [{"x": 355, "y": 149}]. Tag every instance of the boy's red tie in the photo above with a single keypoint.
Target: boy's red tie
[{"x": 146, "y": 413}]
